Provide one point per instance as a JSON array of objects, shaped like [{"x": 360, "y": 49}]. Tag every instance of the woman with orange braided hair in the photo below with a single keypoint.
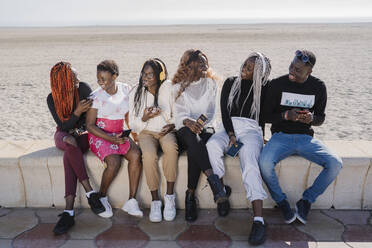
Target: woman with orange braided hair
[{"x": 68, "y": 103}]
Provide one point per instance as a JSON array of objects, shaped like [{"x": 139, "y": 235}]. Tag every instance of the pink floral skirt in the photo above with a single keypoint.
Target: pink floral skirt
[{"x": 102, "y": 147}]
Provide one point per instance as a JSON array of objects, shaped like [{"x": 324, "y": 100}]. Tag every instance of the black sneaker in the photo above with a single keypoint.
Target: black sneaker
[
  {"x": 191, "y": 213},
  {"x": 258, "y": 233},
  {"x": 287, "y": 212},
  {"x": 302, "y": 210},
  {"x": 223, "y": 208},
  {"x": 64, "y": 224},
  {"x": 95, "y": 204}
]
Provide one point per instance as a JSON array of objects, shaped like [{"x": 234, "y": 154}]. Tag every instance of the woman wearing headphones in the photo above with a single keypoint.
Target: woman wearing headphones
[{"x": 151, "y": 117}]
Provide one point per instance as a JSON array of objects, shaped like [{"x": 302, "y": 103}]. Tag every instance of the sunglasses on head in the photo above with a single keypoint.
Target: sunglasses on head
[
  {"x": 305, "y": 58},
  {"x": 193, "y": 57}
]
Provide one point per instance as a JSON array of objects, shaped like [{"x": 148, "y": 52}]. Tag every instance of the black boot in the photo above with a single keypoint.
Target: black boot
[
  {"x": 191, "y": 213},
  {"x": 223, "y": 208},
  {"x": 217, "y": 188}
]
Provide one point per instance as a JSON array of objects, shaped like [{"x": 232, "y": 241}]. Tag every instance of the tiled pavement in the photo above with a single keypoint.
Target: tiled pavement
[{"x": 24, "y": 227}]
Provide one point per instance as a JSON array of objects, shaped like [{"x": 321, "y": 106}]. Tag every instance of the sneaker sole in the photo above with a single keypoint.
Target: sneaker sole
[
  {"x": 222, "y": 199},
  {"x": 136, "y": 215},
  {"x": 155, "y": 221},
  {"x": 302, "y": 220},
  {"x": 291, "y": 220},
  {"x": 169, "y": 219},
  {"x": 97, "y": 211},
  {"x": 105, "y": 215},
  {"x": 57, "y": 233}
]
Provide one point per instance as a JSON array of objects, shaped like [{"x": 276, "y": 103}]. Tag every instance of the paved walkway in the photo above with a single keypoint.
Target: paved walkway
[{"x": 24, "y": 227}]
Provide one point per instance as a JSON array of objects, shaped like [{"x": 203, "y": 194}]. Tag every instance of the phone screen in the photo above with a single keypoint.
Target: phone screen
[
  {"x": 125, "y": 133},
  {"x": 202, "y": 119}
]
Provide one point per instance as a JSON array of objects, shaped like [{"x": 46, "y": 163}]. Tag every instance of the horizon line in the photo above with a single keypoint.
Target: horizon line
[{"x": 361, "y": 20}]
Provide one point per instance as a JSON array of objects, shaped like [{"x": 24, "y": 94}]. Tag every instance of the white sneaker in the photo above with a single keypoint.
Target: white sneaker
[
  {"x": 169, "y": 207},
  {"x": 108, "y": 209},
  {"x": 132, "y": 208},
  {"x": 155, "y": 211}
]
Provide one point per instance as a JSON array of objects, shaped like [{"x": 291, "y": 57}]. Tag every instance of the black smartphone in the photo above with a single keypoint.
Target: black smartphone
[
  {"x": 234, "y": 150},
  {"x": 202, "y": 119},
  {"x": 125, "y": 133}
]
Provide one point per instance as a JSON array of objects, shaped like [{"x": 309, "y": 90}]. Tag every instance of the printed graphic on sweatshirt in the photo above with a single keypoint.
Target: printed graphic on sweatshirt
[{"x": 297, "y": 100}]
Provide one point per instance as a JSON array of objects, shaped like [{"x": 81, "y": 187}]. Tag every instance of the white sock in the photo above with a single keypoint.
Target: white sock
[
  {"x": 88, "y": 193},
  {"x": 70, "y": 212},
  {"x": 257, "y": 218}
]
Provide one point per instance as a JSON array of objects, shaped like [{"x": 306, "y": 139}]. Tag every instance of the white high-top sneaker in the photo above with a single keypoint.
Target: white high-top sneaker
[
  {"x": 169, "y": 207},
  {"x": 155, "y": 211}
]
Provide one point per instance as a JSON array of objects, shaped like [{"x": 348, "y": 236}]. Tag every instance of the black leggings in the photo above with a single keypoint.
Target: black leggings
[{"x": 197, "y": 154}]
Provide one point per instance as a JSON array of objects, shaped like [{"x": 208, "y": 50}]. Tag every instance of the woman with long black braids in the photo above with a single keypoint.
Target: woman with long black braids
[{"x": 151, "y": 117}]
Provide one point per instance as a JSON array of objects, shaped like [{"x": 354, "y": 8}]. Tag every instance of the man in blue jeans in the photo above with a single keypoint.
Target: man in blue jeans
[{"x": 295, "y": 102}]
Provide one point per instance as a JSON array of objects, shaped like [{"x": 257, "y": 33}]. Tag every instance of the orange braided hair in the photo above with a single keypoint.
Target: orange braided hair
[{"x": 64, "y": 93}]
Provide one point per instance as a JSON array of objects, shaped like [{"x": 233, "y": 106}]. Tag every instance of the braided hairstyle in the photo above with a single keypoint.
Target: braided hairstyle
[
  {"x": 261, "y": 72},
  {"x": 158, "y": 67},
  {"x": 65, "y": 94}
]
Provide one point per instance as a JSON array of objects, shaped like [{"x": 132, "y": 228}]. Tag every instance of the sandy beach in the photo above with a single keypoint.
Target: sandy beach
[{"x": 27, "y": 54}]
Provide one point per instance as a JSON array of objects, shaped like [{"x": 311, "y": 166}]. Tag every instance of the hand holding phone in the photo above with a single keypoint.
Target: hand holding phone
[
  {"x": 202, "y": 120},
  {"x": 234, "y": 150},
  {"x": 126, "y": 133}
]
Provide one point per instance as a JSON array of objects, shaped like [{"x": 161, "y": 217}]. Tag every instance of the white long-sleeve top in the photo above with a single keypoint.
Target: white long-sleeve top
[
  {"x": 198, "y": 98},
  {"x": 165, "y": 103}
]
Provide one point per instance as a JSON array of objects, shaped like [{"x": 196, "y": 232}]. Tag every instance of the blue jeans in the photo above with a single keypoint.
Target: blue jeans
[{"x": 282, "y": 145}]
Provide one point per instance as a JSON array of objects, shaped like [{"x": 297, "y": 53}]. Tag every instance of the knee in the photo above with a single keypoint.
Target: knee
[
  {"x": 170, "y": 148},
  {"x": 212, "y": 145},
  {"x": 135, "y": 157},
  {"x": 70, "y": 148},
  {"x": 186, "y": 133},
  {"x": 113, "y": 163},
  {"x": 334, "y": 164},
  {"x": 148, "y": 157},
  {"x": 266, "y": 164},
  {"x": 113, "y": 167}
]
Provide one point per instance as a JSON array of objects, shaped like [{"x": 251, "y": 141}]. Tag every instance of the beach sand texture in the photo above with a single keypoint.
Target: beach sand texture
[{"x": 343, "y": 53}]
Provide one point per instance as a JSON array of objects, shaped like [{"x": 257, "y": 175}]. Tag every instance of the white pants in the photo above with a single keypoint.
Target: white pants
[{"x": 249, "y": 133}]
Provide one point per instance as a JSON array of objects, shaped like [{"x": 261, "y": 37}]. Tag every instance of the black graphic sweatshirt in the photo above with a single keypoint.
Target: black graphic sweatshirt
[{"x": 283, "y": 95}]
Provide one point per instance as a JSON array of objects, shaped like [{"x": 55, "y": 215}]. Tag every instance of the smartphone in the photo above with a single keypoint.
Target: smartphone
[
  {"x": 234, "y": 150},
  {"x": 202, "y": 120},
  {"x": 125, "y": 133}
]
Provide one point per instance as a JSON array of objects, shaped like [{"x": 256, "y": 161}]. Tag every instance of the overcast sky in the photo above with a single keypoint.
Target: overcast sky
[{"x": 139, "y": 12}]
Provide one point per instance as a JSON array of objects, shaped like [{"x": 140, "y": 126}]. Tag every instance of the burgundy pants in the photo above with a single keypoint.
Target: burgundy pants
[{"x": 73, "y": 160}]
